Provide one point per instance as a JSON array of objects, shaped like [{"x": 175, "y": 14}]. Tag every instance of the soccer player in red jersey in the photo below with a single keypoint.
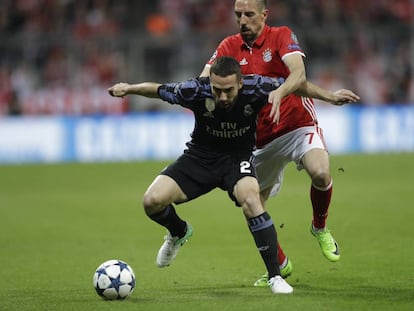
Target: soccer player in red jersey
[{"x": 293, "y": 134}]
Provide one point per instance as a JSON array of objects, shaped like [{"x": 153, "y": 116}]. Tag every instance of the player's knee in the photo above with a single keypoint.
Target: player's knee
[
  {"x": 151, "y": 203},
  {"x": 321, "y": 178}
]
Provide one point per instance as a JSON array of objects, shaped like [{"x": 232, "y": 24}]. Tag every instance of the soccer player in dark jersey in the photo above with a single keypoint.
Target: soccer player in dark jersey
[
  {"x": 219, "y": 154},
  {"x": 296, "y": 136}
]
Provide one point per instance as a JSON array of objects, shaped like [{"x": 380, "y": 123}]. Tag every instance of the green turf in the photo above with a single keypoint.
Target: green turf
[{"x": 59, "y": 222}]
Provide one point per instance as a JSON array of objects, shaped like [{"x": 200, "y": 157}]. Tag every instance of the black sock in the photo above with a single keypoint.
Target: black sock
[
  {"x": 170, "y": 220},
  {"x": 264, "y": 234}
]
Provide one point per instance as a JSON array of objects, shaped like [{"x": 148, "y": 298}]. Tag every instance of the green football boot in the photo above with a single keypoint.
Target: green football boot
[{"x": 327, "y": 243}]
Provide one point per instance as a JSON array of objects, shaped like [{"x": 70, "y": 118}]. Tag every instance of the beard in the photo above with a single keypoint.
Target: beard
[{"x": 248, "y": 35}]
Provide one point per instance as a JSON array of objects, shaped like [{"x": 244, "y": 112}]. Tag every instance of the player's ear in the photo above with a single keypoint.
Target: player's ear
[
  {"x": 265, "y": 14},
  {"x": 240, "y": 83}
]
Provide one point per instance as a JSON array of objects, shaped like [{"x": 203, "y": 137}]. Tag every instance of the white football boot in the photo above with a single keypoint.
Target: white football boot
[
  {"x": 279, "y": 286},
  {"x": 171, "y": 246}
]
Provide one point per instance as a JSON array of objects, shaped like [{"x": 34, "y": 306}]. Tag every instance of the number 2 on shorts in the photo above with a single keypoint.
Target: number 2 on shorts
[{"x": 245, "y": 167}]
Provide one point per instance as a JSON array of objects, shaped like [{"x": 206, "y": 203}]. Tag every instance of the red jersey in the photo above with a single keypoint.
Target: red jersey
[{"x": 265, "y": 58}]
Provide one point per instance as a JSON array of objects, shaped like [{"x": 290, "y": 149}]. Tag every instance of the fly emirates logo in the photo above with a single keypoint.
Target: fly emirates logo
[{"x": 227, "y": 130}]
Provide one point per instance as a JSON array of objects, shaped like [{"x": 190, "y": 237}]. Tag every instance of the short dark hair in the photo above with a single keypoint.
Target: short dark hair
[{"x": 226, "y": 66}]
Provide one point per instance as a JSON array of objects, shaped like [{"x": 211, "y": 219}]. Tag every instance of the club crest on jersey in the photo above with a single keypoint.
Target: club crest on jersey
[
  {"x": 267, "y": 55},
  {"x": 210, "y": 105},
  {"x": 248, "y": 110}
]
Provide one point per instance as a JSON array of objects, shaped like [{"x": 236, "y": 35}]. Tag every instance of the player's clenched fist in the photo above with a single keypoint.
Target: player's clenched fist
[{"x": 119, "y": 89}]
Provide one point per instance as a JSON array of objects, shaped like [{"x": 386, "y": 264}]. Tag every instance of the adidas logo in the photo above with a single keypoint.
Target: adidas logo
[{"x": 243, "y": 62}]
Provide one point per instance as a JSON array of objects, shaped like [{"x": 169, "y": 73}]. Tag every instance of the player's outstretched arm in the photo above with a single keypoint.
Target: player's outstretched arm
[
  {"x": 340, "y": 97},
  {"x": 147, "y": 89}
]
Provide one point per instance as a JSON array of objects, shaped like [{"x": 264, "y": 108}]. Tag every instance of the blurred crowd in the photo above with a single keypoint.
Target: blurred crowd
[{"x": 59, "y": 56}]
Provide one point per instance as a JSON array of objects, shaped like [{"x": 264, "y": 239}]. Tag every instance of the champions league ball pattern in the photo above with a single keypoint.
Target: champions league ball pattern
[{"x": 114, "y": 279}]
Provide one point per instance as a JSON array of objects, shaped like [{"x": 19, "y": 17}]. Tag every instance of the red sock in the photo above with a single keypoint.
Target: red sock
[
  {"x": 321, "y": 198},
  {"x": 280, "y": 254}
]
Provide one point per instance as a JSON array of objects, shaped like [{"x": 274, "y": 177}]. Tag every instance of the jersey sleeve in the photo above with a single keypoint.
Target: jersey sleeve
[
  {"x": 260, "y": 86},
  {"x": 184, "y": 93},
  {"x": 287, "y": 42}
]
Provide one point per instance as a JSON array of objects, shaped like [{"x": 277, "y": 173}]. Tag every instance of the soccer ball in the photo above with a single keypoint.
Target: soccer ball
[{"x": 114, "y": 279}]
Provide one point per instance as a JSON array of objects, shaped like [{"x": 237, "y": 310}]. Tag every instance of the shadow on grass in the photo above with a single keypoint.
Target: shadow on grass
[
  {"x": 225, "y": 292},
  {"x": 355, "y": 292}
]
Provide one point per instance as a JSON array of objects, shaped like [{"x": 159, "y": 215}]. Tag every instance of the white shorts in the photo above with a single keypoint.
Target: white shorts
[{"x": 271, "y": 160}]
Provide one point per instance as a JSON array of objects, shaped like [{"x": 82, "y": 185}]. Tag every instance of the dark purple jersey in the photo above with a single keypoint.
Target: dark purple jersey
[{"x": 219, "y": 130}]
